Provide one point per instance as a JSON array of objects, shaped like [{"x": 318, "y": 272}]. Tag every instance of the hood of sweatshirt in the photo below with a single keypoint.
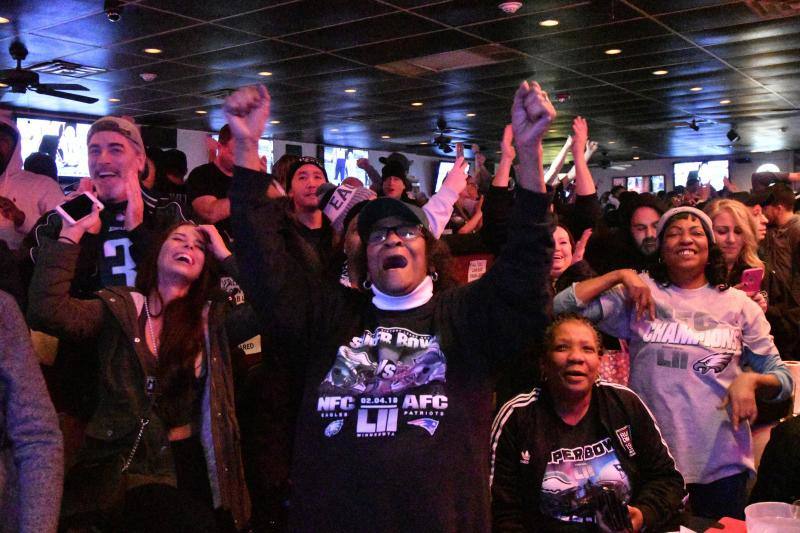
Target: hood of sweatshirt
[{"x": 14, "y": 164}]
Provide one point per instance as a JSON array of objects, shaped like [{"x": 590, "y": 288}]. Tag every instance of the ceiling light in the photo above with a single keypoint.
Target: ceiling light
[
  {"x": 4, "y": 20},
  {"x": 334, "y": 129},
  {"x": 424, "y": 143},
  {"x": 549, "y": 23},
  {"x": 3, "y": 85},
  {"x": 613, "y": 51},
  {"x": 612, "y": 142},
  {"x": 349, "y": 90},
  {"x": 510, "y": 7},
  {"x": 696, "y": 89},
  {"x": 201, "y": 112},
  {"x": 551, "y": 131},
  {"x": 385, "y": 137},
  {"x": 265, "y": 73},
  {"x": 470, "y": 114},
  {"x": 416, "y": 104},
  {"x": 725, "y": 102},
  {"x": 733, "y": 136},
  {"x": 661, "y": 72},
  {"x": 694, "y": 126},
  {"x": 636, "y": 158},
  {"x": 274, "y": 121},
  {"x": 152, "y": 50},
  {"x": 114, "y": 100}
]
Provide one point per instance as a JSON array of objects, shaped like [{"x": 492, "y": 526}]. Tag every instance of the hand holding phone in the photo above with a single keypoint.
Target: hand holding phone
[
  {"x": 78, "y": 208},
  {"x": 751, "y": 280},
  {"x": 459, "y": 150}
]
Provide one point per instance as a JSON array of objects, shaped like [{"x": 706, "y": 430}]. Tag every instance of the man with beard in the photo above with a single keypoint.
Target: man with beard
[{"x": 633, "y": 244}]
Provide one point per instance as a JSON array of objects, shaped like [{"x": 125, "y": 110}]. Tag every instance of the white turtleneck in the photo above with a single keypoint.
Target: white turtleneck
[{"x": 415, "y": 298}]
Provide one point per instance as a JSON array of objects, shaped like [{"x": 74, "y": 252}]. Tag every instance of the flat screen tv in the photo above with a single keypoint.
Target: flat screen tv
[
  {"x": 712, "y": 171},
  {"x": 636, "y": 184},
  {"x": 340, "y": 163},
  {"x": 657, "y": 183},
  {"x": 64, "y": 140}
]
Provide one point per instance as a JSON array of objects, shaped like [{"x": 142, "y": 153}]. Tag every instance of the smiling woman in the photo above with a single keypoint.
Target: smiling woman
[
  {"x": 152, "y": 452},
  {"x": 690, "y": 337},
  {"x": 576, "y": 451}
]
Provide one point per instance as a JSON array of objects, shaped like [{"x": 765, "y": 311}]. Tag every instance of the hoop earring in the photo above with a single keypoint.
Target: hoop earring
[
  {"x": 434, "y": 276},
  {"x": 367, "y": 284}
]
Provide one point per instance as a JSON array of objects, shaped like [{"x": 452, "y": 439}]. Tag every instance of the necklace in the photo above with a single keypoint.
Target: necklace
[{"x": 150, "y": 327}]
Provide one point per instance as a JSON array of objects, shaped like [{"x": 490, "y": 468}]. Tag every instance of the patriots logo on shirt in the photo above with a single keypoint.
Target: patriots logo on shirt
[
  {"x": 716, "y": 361},
  {"x": 428, "y": 424}
]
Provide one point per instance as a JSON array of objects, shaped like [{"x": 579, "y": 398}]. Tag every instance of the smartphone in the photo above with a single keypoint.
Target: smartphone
[
  {"x": 79, "y": 207},
  {"x": 751, "y": 280}
]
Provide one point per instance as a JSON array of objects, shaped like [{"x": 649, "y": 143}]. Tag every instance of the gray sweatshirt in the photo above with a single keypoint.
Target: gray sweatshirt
[
  {"x": 683, "y": 362},
  {"x": 31, "y": 447}
]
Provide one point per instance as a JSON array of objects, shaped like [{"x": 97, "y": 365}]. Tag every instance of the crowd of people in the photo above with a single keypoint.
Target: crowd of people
[{"x": 243, "y": 350}]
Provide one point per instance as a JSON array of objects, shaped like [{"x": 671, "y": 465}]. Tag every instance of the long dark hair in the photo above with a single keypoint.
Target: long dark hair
[
  {"x": 182, "y": 330},
  {"x": 716, "y": 272}
]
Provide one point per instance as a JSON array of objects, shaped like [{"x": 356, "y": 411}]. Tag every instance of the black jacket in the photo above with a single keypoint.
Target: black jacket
[
  {"x": 779, "y": 472},
  {"x": 527, "y": 423},
  {"x": 377, "y": 453}
]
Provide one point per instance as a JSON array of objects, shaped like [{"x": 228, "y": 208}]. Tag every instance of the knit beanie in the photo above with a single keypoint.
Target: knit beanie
[
  {"x": 667, "y": 217},
  {"x": 396, "y": 169},
  {"x": 336, "y": 202},
  {"x": 299, "y": 163}
]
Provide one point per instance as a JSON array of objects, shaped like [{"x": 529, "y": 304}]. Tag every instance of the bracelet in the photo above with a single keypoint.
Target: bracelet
[{"x": 66, "y": 239}]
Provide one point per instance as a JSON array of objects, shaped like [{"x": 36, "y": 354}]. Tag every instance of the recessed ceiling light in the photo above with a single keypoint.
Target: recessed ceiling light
[
  {"x": 696, "y": 89},
  {"x": 553, "y": 130},
  {"x": 416, "y": 104},
  {"x": 661, "y": 72},
  {"x": 424, "y": 143},
  {"x": 612, "y": 142},
  {"x": 636, "y": 157},
  {"x": 114, "y": 100},
  {"x": 725, "y": 102},
  {"x": 385, "y": 137},
  {"x": 201, "y": 112},
  {"x": 274, "y": 121},
  {"x": 152, "y": 50},
  {"x": 549, "y": 23},
  {"x": 4, "y": 20},
  {"x": 3, "y": 85},
  {"x": 334, "y": 129},
  {"x": 265, "y": 73},
  {"x": 350, "y": 90},
  {"x": 613, "y": 51},
  {"x": 470, "y": 114}
]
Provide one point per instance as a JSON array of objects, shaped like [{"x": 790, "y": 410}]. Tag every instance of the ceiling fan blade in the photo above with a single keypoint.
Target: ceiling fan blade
[
  {"x": 68, "y": 96},
  {"x": 63, "y": 86}
]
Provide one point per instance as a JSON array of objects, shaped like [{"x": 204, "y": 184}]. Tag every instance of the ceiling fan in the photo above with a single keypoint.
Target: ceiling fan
[
  {"x": 442, "y": 138},
  {"x": 19, "y": 79}
]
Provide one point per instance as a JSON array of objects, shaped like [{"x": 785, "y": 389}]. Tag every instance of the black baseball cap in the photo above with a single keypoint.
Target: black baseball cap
[{"x": 385, "y": 207}]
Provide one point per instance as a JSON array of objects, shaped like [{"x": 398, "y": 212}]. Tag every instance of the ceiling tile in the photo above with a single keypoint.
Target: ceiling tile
[
  {"x": 188, "y": 41},
  {"x": 411, "y": 47},
  {"x": 304, "y": 16},
  {"x": 242, "y": 59},
  {"x": 210, "y": 10},
  {"x": 96, "y": 30}
]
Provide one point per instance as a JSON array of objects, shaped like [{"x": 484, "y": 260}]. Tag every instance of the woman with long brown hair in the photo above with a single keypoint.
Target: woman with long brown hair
[{"x": 162, "y": 445}]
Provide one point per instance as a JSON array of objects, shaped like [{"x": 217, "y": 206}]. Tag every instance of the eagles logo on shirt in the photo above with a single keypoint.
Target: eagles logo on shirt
[{"x": 716, "y": 361}]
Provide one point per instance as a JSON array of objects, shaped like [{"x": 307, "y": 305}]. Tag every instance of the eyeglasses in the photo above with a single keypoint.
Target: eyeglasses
[{"x": 407, "y": 232}]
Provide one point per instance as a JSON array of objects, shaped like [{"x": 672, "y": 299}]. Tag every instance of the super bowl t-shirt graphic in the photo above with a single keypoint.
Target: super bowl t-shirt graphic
[
  {"x": 382, "y": 382},
  {"x": 574, "y": 477}
]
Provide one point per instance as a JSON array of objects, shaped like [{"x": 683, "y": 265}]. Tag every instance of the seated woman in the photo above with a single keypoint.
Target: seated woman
[
  {"x": 737, "y": 236},
  {"x": 557, "y": 449},
  {"x": 162, "y": 444},
  {"x": 397, "y": 383},
  {"x": 689, "y": 337}
]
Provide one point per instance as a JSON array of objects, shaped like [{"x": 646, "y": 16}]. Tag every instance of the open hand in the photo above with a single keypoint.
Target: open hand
[
  {"x": 216, "y": 245},
  {"x": 507, "y": 144},
  {"x": 580, "y": 246},
  {"x": 247, "y": 111},
  {"x": 580, "y": 135},
  {"x": 134, "y": 210},
  {"x": 456, "y": 179}
]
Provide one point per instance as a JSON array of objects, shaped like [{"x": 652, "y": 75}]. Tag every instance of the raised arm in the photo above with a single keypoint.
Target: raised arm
[
  {"x": 440, "y": 207},
  {"x": 51, "y": 309},
  {"x": 584, "y": 184}
]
